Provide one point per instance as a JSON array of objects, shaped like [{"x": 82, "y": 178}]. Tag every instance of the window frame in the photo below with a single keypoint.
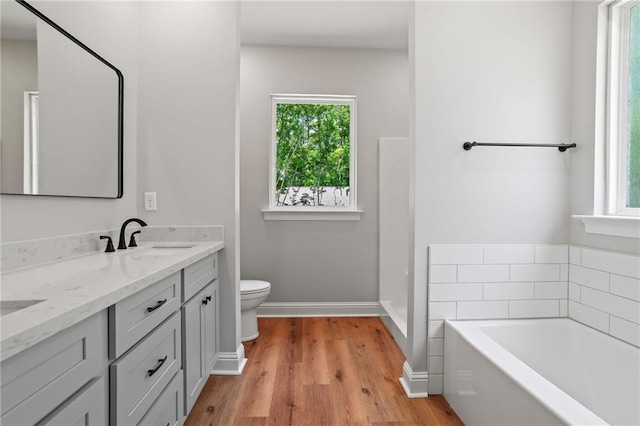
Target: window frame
[
  {"x": 31, "y": 142},
  {"x": 617, "y": 109},
  {"x": 350, "y": 212},
  {"x": 610, "y": 215}
]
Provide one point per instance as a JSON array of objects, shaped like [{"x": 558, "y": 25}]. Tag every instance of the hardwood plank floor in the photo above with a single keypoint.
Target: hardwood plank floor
[{"x": 318, "y": 371}]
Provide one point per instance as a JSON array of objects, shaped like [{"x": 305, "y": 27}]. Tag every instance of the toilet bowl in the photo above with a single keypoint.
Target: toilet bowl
[{"x": 252, "y": 294}]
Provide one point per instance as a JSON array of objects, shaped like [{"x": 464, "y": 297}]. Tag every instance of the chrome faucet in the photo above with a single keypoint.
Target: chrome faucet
[{"x": 122, "y": 245}]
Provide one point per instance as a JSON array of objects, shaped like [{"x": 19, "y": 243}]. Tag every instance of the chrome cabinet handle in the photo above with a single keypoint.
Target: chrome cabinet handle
[
  {"x": 160, "y": 303},
  {"x": 160, "y": 362}
]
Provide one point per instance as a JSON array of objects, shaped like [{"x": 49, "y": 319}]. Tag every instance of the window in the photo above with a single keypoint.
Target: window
[
  {"x": 623, "y": 122},
  {"x": 313, "y": 157},
  {"x": 616, "y": 208}
]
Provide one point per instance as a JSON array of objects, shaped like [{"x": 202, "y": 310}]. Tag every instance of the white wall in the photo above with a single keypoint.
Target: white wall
[
  {"x": 187, "y": 147},
  {"x": 19, "y": 74},
  {"x": 393, "y": 182},
  {"x": 109, "y": 28},
  {"x": 583, "y": 129},
  {"x": 309, "y": 261},
  {"x": 492, "y": 72}
]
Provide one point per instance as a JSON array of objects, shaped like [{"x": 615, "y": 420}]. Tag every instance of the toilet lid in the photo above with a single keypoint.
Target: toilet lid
[{"x": 253, "y": 286}]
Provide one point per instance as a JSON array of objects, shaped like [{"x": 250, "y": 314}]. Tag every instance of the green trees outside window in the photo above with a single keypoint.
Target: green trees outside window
[{"x": 312, "y": 154}]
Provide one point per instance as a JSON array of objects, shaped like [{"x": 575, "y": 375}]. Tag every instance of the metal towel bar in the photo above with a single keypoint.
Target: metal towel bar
[{"x": 562, "y": 147}]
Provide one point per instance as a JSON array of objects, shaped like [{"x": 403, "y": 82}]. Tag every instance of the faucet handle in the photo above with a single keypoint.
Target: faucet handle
[
  {"x": 109, "y": 248},
  {"x": 132, "y": 240}
]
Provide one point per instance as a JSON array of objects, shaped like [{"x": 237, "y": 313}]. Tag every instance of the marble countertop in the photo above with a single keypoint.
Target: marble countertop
[{"x": 72, "y": 290}]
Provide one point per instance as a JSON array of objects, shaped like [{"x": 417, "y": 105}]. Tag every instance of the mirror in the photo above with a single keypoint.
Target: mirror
[{"x": 61, "y": 111}]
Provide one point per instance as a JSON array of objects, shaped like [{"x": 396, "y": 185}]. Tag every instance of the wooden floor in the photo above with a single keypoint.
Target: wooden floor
[{"x": 318, "y": 371}]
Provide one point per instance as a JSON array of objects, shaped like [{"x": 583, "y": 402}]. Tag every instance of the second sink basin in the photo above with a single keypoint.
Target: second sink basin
[
  {"x": 159, "y": 251},
  {"x": 10, "y": 306}
]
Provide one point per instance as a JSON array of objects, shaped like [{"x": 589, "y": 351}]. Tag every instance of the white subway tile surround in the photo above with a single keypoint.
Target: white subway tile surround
[
  {"x": 493, "y": 281},
  {"x": 595, "y": 287},
  {"x": 604, "y": 292}
]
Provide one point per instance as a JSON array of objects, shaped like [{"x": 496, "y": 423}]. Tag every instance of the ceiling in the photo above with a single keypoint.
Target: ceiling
[{"x": 346, "y": 24}]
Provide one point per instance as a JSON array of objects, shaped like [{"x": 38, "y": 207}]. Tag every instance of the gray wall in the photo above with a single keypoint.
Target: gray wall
[
  {"x": 187, "y": 147},
  {"x": 19, "y": 74},
  {"x": 583, "y": 130},
  {"x": 180, "y": 62},
  {"x": 317, "y": 261}
]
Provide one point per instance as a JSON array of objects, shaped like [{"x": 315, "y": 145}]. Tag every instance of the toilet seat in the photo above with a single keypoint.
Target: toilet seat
[{"x": 253, "y": 286}]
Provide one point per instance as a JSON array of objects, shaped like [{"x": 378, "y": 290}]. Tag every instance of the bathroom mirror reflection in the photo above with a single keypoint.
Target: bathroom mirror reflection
[{"x": 61, "y": 111}]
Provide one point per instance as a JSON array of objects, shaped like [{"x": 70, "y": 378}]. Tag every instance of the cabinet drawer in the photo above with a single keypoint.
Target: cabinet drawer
[
  {"x": 132, "y": 318},
  {"x": 87, "y": 407},
  {"x": 167, "y": 410},
  {"x": 138, "y": 377},
  {"x": 198, "y": 275},
  {"x": 39, "y": 379}
]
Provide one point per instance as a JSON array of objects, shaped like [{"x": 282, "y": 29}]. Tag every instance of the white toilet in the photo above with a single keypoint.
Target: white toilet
[{"x": 252, "y": 294}]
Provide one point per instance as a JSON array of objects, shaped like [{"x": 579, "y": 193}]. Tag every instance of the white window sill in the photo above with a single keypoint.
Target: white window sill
[
  {"x": 619, "y": 226},
  {"x": 300, "y": 214}
]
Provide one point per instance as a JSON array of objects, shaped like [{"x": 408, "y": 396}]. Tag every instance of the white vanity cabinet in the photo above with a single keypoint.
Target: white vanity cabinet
[
  {"x": 58, "y": 379},
  {"x": 199, "y": 325}
]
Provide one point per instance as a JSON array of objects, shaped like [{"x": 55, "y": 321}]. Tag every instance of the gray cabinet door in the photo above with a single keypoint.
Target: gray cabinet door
[
  {"x": 87, "y": 407},
  {"x": 39, "y": 379},
  {"x": 211, "y": 326},
  {"x": 193, "y": 321}
]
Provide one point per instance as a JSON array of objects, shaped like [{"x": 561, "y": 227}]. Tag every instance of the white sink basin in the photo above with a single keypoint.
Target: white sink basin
[
  {"x": 158, "y": 251},
  {"x": 173, "y": 246},
  {"x": 10, "y": 306}
]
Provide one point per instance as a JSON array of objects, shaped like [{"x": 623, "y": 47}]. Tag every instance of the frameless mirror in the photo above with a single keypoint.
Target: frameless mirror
[{"x": 61, "y": 112}]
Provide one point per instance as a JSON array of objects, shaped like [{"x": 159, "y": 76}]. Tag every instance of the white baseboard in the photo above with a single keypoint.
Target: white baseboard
[
  {"x": 313, "y": 309},
  {"x": 396, "y": 333},
  {"x": 414, "y": 383},
  {"x": 229, "y": 363}
]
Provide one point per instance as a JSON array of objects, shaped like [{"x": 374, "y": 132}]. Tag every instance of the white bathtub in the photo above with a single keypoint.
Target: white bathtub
[{"x": 539, "y": 372}]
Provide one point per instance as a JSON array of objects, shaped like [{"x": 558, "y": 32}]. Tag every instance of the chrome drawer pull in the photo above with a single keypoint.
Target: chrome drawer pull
[
  {"x": 160, "y": 362},
  {"x": 160, "y": 303}
]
